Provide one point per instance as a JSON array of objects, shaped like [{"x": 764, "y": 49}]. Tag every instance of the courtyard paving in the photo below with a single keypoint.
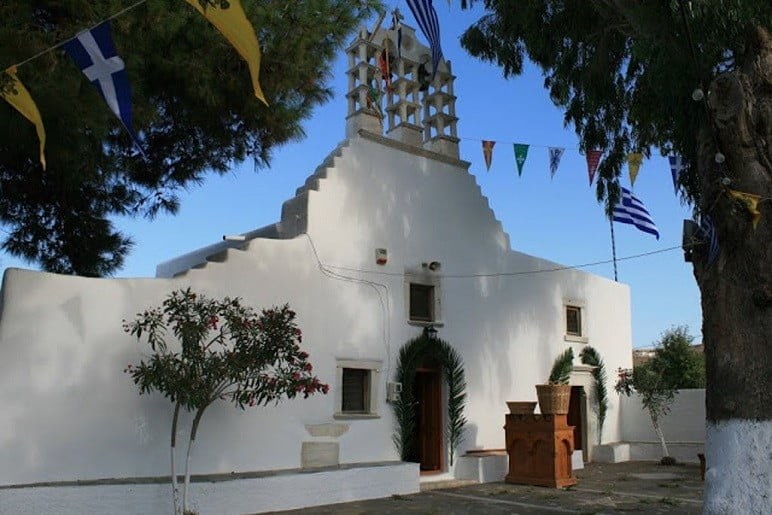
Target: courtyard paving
[{"x": 633, "y": 487}]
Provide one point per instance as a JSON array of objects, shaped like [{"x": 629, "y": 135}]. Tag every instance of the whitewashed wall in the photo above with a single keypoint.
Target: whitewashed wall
[
  {"x": 683, "y": 427},
  {"x": 70, "y": 413}
]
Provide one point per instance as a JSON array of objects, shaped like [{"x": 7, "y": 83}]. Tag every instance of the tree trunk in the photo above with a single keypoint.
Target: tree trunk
[
  {"x": 737, "y": 288},
  {"x": 191, "y": 441},
  {"x": 175, "y": 491},
  {"x": 658, "y": 430}
]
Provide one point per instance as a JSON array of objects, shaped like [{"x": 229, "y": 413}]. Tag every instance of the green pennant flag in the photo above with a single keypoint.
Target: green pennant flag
[{"x": 521, "y": 152}]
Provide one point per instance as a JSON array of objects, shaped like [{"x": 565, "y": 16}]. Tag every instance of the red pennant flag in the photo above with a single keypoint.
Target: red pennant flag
[
  {"x": 487, "y": 147},
  {"x": 593, "y": 158}
]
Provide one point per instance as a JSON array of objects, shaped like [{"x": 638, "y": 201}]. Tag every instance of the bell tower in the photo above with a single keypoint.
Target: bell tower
[{"x": 393, "y": 90}]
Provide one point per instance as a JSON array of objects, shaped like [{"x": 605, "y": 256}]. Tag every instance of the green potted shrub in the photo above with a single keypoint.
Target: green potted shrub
[{"x": 554, "y": 396}]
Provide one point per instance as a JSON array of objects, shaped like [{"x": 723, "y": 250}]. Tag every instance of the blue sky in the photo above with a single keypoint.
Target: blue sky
[{"x": 556, "y": 219}]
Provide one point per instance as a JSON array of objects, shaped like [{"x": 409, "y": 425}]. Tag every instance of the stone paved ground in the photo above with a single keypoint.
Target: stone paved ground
[{"x": 634, "y": 487}]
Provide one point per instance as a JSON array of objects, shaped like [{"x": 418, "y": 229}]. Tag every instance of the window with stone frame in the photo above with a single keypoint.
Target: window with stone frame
[
  {"x": 573, "y": 321},
  {"x": 355, "y": 391},
  {"x": 357, "y": 388},
  {"x": 422, "y": 302}
]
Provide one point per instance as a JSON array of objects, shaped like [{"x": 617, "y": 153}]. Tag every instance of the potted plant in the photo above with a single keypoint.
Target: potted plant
[{"x": 556, "y": 394}]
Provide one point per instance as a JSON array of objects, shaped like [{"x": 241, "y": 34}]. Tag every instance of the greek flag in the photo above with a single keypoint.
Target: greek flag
[
  {"x": 709, "y": 231},
  {"x": 630, "y": 210},
  {"x": 426, "y": 16},
  {"x": 94, "y": 52}
]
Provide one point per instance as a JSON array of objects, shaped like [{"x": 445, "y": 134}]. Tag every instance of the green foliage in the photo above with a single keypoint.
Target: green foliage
[
  {"x": 226, "y": 351},
  {"x": 677, "y": 360},
  {"x": 411, "y": 355},
  {"x": 193, "y": 107},
  {"x": 655, "y": 391},
  {"x": 562, "y": 367},
  {"x": 221, "y": 350},
  {"x": 623, "y": 71},
  {"x": 590, "y": 356},
  {"x": 453, "y": 368}
]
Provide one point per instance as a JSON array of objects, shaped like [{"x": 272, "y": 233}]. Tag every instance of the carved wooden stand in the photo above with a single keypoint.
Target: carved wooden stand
[{"x": 540, "y": 449}]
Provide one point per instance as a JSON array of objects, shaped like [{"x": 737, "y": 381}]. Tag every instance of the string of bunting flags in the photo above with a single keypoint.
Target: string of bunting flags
[
  {"x": 555, "y": 154},
  {"x": 95, "y": 54}
]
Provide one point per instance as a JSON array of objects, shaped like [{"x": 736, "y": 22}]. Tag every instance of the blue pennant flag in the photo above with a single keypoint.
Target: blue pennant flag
[
  {"x": 94, "y": 52},
  {"x": 677, "y": 165},
  {"x": 426, "y": 16},
  {"x": 630, "y": 210},
  {"x": 709, "y": 232},
  {"x": 555, "y": 153}
]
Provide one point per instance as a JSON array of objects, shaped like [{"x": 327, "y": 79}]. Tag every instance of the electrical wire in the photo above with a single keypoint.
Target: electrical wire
[
  {"x": 383, "y": 299},
  {"x": 62, "y": 43},
  {"x": 513, "y": 273}
]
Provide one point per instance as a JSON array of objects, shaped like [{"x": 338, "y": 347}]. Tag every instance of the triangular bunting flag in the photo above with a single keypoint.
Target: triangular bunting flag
[
  {"x": 634, "y": 161},
  {"x": 593, "y": 158},
  {"x": 94, "y": 52},
  {"x": 487, "y": 148},
  {"x": 236, "y": 28},
  {"x": 555, "y": 153},
  {"x": 21, "y": 100},
  {"x": 677, "y": 165},
  {"x": 751, "y": 201},
  {"x": 521, "y": 153}
]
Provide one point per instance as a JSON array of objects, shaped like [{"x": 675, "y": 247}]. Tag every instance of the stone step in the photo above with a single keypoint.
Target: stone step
[{"x": 446, "y": 483}]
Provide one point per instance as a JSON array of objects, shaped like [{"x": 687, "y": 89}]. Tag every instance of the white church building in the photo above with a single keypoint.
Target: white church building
[{"x": 390, "y": 235}]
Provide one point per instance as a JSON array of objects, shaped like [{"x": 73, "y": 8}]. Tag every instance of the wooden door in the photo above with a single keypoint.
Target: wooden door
[
  {"x": 576, "y": 416},
  {"x": 429, "y": 419}
]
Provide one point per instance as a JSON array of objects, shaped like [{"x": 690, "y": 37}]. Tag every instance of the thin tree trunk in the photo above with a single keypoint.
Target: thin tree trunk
[
  {"x": 737, "y": 288},
  {"x": 175, "y": 492},
  {"x": 658, "y": 430},
  {"x": 191, "y": 441}
]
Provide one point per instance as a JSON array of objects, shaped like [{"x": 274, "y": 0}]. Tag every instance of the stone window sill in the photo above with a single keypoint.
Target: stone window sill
[
  {"x": 576, "y": 339},
  {"x": 355, "y": 416}
]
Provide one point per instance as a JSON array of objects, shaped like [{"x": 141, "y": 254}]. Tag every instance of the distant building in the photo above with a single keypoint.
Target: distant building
[{"x": 646, "y": 354}]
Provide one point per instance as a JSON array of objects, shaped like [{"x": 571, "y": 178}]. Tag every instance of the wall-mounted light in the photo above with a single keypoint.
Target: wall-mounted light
[
  {"x": 433, "y": 266},
  {"x": 430, "y": 332}
]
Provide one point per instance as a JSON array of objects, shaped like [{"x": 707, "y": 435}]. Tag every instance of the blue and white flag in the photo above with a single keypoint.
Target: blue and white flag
[
  {"x": 94, "y": 52},
  {"x": 555, "y": 153},
  {"x": 709, "y": 232},
  {"x": 677, "y": 165},
  {"x": 426, "y": 16},
  {"x": 630, "y": 210}
]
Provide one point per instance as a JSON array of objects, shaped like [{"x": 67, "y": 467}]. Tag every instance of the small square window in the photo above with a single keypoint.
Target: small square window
[
  {"x": 355, "y": 390},
  {"x": 421, "y": 302},
  {"x": 573, "y": 321}
]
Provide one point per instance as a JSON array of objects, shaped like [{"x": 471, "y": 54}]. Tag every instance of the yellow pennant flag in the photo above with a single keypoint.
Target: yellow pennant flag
[
  {"x": 22, "y": 101},
  {"x": 751, "y": 201},
  {"x": 233, "y": 24},
  {"x": 634, "y": 161}
]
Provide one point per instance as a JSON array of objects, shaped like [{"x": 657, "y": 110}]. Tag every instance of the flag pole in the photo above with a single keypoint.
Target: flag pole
[{"x": 613, "y": 247}]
